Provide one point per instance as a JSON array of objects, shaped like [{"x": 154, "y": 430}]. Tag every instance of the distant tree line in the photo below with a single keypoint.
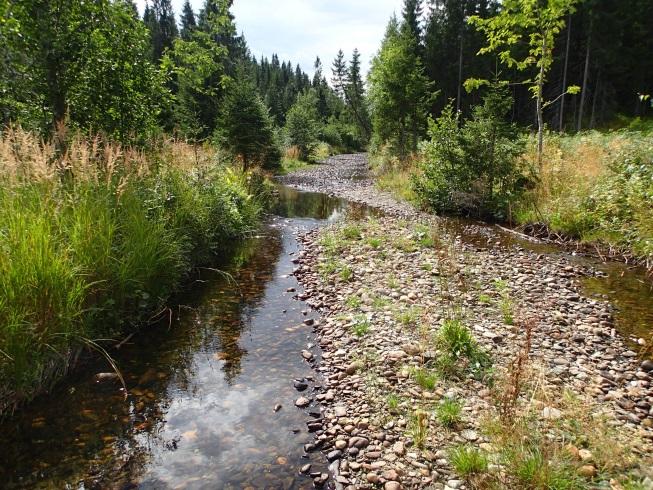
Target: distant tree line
[{"x": 100, "y": 67}]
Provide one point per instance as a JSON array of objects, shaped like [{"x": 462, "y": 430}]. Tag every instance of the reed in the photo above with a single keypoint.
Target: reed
[{"x": 95, "y": 237}]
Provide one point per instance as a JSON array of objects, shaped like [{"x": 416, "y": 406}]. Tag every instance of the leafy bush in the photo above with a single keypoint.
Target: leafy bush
[
  {"x": 472, "y": 168},
  {"x": 303, "y": 124}
]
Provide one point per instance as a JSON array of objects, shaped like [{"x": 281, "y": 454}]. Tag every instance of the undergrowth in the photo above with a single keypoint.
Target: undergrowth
[{"x": 96, "y": 237}]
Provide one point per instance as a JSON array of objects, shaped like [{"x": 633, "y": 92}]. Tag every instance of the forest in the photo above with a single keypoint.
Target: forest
[{"x": 140, "y": 149}]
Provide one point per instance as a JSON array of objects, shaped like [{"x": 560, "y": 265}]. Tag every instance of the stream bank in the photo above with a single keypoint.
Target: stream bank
[{"x": 386, "y": 286}]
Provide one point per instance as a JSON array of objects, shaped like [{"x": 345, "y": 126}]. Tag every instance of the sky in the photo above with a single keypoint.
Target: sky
[{"x": 300, "y": 30}]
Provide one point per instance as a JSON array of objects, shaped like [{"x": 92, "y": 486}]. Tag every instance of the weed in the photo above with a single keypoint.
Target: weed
[
  {"x": 418, "y": 428},
  {"x": 468, "y": 461},
  {"x": 392, "y": 282},
  {"x": 353, "y": 302},
  {"x": 351, "y": 231},
  {"x": 374, "y": 242},
  {"x": 392, "y": 401},
  {"x": 485, "y": 299},
  {"x": 361, "y": 325},
  {"x": 506, "y": 307},
  {"x": 380, "y": 302},
  {"x": 449, "y": 412},
  {"x": 346, "y": 273},
  {"x": 425, "y": 379},
  {"x": 455, "y": 343},
  {"x": 409, "y": 317}
]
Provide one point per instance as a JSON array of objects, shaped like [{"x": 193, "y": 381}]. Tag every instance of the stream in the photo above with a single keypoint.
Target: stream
[{"x": 205, "y": 388}]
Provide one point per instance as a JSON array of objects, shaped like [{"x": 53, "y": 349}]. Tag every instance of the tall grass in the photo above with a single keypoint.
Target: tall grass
[
  {"x": 95, "y": 237},
  {"x": 596, "y": 187}
]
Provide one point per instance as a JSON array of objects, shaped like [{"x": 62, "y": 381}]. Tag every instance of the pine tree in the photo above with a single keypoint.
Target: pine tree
[
  {"x": 412, "y": 14},
  {"x": 339, "y": 72},
  {"x": 188, "y": 22},
  {"x": 355, "y": 94},
  {"x": 245, "y": 125},
  {"x": 399, "y": 92}
]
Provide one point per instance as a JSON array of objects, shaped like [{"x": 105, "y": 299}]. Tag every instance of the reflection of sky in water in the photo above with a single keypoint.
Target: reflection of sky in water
[
  {"x": 203, "y": 389},
  {"x": 223, "y": 424}
]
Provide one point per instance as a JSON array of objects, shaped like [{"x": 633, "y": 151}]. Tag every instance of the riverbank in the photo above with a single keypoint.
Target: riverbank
[
  {"x": 97, "y": 238},
  {"x": 449, "y": 365}
]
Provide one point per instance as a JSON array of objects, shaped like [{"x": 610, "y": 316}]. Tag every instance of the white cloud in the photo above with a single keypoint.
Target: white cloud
[{"x": 300, "y": 30}]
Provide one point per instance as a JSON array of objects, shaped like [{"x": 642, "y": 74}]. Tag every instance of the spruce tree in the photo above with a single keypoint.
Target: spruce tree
[{"x": 188, "y": 22}]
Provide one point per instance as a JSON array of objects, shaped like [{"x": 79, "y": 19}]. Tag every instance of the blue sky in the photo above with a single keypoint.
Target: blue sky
[{"x": 300, "y": 30}]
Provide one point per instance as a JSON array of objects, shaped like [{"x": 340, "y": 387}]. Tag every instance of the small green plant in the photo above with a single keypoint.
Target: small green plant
[
  {"x": 458, "y": 349},
  {"x": 426, "y": 266},
  {"x": 425, "y": 379},
  {"x": 374, "y": 242},
  {"x": 418, "y": 428},
  {"x": 361, "y": 326},
  {"x": 485, "y": 299},
  {"x": 449, "y": 412},
  {"x": 380, "y": 302},
  {"x": 351, "y": 231},
  {"x": 392, "y": 401},
  {"x": 507, "y": 310},
  {"x": 468, "y": 460},
  {"x": 327, "y": 267},
  {"x": 409, "y": 317},
  {"x": 346, "y": 273},
  {"x": 353, "y": 302},
  {"x": 392, "y": 282}
]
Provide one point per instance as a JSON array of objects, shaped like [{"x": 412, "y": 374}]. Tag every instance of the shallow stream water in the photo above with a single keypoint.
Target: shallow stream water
[{"x": 204, "y": 387}]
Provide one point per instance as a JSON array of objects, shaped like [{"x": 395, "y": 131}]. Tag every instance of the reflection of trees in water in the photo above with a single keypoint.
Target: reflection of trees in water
[
  {"x": 79, "y": 415},
  {"x": 293, "y": 204}
]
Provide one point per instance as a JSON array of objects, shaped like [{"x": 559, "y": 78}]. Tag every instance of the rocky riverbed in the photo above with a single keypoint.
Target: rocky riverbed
[{"x": 385, "y": 286}]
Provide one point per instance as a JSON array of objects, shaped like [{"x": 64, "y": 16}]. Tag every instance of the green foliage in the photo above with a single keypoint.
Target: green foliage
[
  {"x": 459, "y": 351},
  {"x": 80, "y": 61},
  {"x": 536, "y": 23},
  {"x": 449, "y": 412},
  {"x": 424, "y": 379},
  {"x": 392, "y": 401},
  {"x": 86, "y": 257},
  {"x": 303, "y": 124},
  {"x": 473, "y": 168},
  {"x": 245, "y": 126},
  {"x": 468, "y": 461},
  {"x": 360, "y": 325},
  {"x": 399, "y": 92},
  {"x": 596, "y": 187}
]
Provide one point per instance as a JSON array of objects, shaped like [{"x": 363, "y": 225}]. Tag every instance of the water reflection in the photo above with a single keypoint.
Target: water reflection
[{"x": 202, "y": 389}]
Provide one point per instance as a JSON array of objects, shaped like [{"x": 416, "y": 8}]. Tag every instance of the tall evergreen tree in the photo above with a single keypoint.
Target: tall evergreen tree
[
  {"x": 188, "y": 21},
  {"x": 339, "y": 74},
  {"x": 399, "y": 92}
]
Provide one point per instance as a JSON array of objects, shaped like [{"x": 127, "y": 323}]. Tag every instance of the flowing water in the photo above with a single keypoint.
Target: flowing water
[{"x": 204, "y": 387}]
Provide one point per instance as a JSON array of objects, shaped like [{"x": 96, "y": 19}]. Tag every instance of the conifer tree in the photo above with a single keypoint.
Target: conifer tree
[{"x": 188, "y": 22}]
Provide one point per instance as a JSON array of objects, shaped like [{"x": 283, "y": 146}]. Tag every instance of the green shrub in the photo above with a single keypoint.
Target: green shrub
[
  {"x": 459, "y": 351},
  {"x": 472, "y": 168}
]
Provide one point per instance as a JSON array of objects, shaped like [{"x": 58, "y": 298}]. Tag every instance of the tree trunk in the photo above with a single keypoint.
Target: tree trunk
[
  {"x": 539, "y": 108},
  {"x": 564, "y": 77},
  {"x": 595, "y": 96},
  {"x": 585, "y": 78},
  {"x": 460, "y": 71}
]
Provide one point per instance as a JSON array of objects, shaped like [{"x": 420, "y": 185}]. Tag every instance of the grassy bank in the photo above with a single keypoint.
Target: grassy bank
[
  {"x": 594, "y": 187},
  {"x": 96, "y": 238},
  {"x": 598, "y": 188}
]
